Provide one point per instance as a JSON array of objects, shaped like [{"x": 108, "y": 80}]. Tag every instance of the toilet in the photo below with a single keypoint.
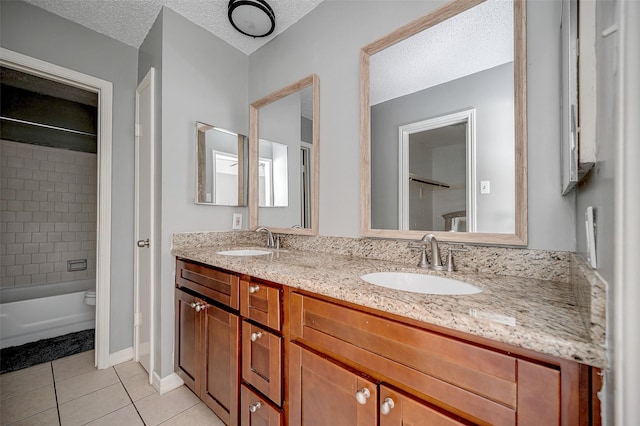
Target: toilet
[{"x": 90, "y": 297}]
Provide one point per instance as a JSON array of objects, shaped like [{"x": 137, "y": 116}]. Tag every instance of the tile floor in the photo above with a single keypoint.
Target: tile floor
[{"x": 71, "y": 391}]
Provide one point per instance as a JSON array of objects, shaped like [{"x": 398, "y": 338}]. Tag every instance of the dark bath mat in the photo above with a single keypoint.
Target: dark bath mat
[{"x": 46, "y": 350}]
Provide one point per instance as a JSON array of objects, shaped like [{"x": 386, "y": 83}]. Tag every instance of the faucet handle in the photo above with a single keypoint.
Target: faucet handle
[
  {"x": 458, "y": 247},
  {"x": 420, "y": 245},
  {"x": 450, "y": 263},
  {"x": 416, "y": 245}
]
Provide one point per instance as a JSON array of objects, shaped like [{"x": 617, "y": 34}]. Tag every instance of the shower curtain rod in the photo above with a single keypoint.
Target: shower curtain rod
[{"x": 47, "y": 126}]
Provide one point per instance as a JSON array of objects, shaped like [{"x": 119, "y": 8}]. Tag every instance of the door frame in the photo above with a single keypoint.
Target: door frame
[
  {"x": 104, "y": 90},
  {"x": 405, "y": 131},
  {"x": 147, "y": 81}
]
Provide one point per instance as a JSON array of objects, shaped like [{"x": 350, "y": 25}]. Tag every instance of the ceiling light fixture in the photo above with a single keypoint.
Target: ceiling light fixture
[{"x": 254, "y": 18}]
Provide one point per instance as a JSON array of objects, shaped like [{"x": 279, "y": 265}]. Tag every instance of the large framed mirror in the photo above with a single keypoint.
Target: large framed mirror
[
  {"x": 221, "y": 166},
  {"x": 284, "y": 158},
  {"x": 443, "y": 132}
]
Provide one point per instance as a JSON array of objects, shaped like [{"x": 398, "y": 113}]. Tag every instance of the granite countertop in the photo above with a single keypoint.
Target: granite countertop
[{"x": 535, "y": 314}]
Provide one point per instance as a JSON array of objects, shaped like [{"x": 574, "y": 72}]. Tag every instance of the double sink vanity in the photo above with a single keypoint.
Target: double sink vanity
[
  {"x": 317, "y": 330},
  {"x": 297, "y": 335}
]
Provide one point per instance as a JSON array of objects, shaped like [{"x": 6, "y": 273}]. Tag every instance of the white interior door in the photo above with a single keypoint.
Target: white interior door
[{"x": 144, "y": 223}]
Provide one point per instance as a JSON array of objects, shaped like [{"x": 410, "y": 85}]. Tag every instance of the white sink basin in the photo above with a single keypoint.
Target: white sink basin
[
  {"x": 244, "y": 252},
  {"x": 420, "y": 283}
]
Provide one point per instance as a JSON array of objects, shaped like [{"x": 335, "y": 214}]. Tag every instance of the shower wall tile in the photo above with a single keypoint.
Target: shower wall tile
[{"x": 47, "y": 213}]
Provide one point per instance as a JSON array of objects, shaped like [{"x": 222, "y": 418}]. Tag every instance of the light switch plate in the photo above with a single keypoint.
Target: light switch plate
[{"x": 485, "y": 187}]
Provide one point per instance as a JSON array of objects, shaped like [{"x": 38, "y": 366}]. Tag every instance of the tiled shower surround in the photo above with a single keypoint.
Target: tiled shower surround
[{"x": 47, "y": 213}]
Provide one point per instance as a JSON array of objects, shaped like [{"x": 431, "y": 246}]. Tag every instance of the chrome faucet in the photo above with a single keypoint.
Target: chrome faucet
[
  {"x": 270, "y": 240},
  {"x": 436, "y": 262}
]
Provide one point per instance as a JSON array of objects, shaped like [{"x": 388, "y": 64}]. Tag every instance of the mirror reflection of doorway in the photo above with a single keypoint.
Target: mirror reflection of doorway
[{"x": 437, "y": 174}]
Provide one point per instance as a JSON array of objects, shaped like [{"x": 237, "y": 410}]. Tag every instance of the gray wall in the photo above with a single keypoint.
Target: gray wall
[
  {"x": 34, "y": 32},
  {"x": 490, "y": 93},
  {"x": 327, "y": 42},
  {"x": 203, "y": 79}
]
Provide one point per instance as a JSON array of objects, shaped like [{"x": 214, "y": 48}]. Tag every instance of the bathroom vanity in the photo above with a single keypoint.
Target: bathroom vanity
[{"x": 295, "y": 337}]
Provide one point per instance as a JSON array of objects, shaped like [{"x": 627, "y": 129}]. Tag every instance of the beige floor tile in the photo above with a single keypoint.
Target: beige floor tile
[
  {"x": 156, "y": 409},
  {"x": 126, "y": 416},
  {"x": 199, "y": 415},
  {"x": 27, "y": 404},
  {"x": 94, "y": 405},
  {"x": 129, "y": 369},
  {"x": 84, "y": 384},
  {"x": 138, "y": 386},
  {"x": 73, "y": 365},
  {"x": 46, "y": 418},
  {"x": 25, "y": 380}
]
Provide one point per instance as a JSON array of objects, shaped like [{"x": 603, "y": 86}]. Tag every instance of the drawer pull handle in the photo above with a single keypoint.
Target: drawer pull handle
[
  {"x": 254, "y": 289},
  {"x": 386, "y": 406},
  {"x": 255, "y": 336},
  {"x": 363, "y": 395},
  {"x": 254, "y": 407}
]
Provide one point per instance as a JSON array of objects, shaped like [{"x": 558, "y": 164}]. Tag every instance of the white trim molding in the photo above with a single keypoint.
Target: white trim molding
[
  {"x": 104, "y": 90},
  {"x": 167, "y": 383},
  {"x": 120, "y": 357}
]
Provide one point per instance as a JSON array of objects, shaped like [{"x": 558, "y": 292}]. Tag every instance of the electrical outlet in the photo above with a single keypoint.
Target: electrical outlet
[
  {"x": 485, "y": 187},
  {"x": 237, "y": 221},
  {"x": 590, "y": 225}
]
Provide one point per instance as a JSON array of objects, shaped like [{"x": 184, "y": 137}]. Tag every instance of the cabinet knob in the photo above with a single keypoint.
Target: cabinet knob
[
  {"x": 255, "y": 336},
  {"x": 253, "y": 289},
  {"x": 198, "y": 306},
  {"x": 386, "y": 406},
  {"x": 363, "y": 395},
  {"x": 254, "y": 407}
]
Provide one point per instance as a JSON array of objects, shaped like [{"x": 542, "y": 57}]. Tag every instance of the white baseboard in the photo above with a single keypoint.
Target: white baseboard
[
  {"x": 166, "y": 384},
  {"x": 120, "y": 356}
]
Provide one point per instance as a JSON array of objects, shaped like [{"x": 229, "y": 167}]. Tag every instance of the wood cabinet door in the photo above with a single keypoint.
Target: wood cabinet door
[
  {"x": 323, "y": 393},
  {"x": 539, "y": 395},
  {"x": 397, "y": 409},
  {"x": 256, "y": 411},
  {"x": 188, "y": 340},
  {"x": 220, "y": 385}
]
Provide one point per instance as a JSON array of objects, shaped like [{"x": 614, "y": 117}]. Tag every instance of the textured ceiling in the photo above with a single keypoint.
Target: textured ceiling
[
  {"x": 129, "y": 21},
  {"x": 475, "y": 40}
]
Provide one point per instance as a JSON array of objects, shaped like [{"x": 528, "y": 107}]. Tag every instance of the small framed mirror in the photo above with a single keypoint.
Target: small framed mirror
[
  {"x": 221, "y": 166},
  {"x": 284, "y": 159}
]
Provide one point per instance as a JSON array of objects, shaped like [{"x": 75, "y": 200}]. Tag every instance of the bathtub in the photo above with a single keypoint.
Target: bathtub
[{"x": 31, "y": 313}]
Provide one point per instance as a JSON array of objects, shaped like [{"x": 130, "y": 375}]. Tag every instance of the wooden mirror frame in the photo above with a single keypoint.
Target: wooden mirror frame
[
  {"x": 519, "y": 237},
  {"x": 313, "y": 81}
]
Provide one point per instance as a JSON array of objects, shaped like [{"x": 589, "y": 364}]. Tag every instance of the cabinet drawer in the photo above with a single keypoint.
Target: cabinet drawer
[
  {"x": 216, "y": 285},
  {"x": 460, "y": 377},
  {"x": 262, "y": 361},
  {"x": 255, "y": 410},
  {"x": 261, "y": 303}
]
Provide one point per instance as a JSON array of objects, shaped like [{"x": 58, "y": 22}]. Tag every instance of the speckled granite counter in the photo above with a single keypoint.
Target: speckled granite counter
[{"x": 535, "y": 314}]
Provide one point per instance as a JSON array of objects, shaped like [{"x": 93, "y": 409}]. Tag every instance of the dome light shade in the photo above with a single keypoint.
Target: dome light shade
[{"x": 253, "y": 18}]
